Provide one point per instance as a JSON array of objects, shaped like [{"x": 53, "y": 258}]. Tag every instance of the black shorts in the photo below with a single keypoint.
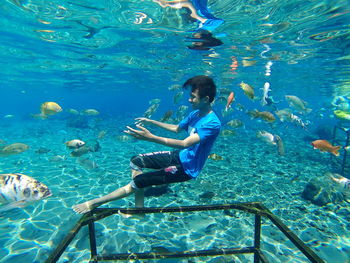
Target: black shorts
[{"x": 167, "y": 164}]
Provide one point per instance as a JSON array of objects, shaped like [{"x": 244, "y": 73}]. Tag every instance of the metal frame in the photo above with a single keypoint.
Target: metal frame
[
  {"x": 256, "y": 208},
  {"x": 335, "y": 141}
]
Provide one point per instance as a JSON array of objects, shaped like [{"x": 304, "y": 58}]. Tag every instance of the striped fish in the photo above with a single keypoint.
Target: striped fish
[{"x": 17, "y": 190}]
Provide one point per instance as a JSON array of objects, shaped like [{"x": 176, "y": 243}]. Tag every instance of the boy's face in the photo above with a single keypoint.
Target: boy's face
[{"x": 196, "y": 101}]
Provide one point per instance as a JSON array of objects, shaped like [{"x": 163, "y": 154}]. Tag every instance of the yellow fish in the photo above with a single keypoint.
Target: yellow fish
[
  {"x": 248, "y": 90},
  {"x": 50, "y": 108},
  {"x": 215, "y": 157},
  {"x": 343, "y": 115},
  {"x": 227, "y": 133}
]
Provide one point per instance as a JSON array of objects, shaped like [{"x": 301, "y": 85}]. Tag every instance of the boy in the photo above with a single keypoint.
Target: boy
[{"x": 203, "y": 127}]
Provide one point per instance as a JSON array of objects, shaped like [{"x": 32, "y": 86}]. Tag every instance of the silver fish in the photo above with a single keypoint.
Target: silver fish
[
  {"x": 151, "y": 110},
  {"x": 266, "y": 137},
  {"x": 265, "y": 90},
  {"x": 17, "y": 190},
  {"x": 154, "y": 101},
  {"x": 87, "y": 163},
  {"x": 297, "y": 104},
  {"x": 14, "y": 148}
]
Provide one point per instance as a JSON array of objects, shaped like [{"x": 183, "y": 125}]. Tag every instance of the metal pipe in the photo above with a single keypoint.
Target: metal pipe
[
  {"x": 92, "y": 237},
  {"x": 257, "y": 236}
]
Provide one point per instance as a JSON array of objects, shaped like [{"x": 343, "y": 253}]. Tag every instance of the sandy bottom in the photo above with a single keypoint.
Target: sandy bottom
[{"x": 251, "y": 171}]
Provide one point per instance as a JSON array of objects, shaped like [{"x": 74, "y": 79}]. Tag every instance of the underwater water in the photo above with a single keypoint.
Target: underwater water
[{"x": 121, "y": 57}]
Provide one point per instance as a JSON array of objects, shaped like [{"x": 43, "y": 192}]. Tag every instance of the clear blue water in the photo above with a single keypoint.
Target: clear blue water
[{"x": 116, "y": 56}]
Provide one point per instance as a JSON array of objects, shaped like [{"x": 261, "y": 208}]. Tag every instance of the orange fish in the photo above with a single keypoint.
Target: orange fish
[
  {"x": 230, "y": 98},
  {"x": 325, "y": 146}
]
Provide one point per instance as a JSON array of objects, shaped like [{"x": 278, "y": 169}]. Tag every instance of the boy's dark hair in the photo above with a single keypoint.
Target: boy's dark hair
[{"x": 204, "y": 84}]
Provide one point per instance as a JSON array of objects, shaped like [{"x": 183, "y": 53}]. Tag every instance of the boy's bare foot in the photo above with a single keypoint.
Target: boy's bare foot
[{"x": 84, "y": 207}]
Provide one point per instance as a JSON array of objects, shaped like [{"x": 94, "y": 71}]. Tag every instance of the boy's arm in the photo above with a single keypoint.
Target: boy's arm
[
  {"x": 167, "y": 126},
  {"x": 144, "y": 134}
]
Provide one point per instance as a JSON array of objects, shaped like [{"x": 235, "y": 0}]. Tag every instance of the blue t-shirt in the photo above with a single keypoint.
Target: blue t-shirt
[{"x": 208, "y": 128}]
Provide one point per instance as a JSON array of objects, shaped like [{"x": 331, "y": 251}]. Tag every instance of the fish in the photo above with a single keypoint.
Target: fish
[
  {"x": 90, "y": 112},
  {"x": 18, "y": 190},
  {"x": 148, "y": 113},
  {"x": 298, "y": 121},
  {"x": 280, "y": 145},
  {"x": 230, "y": 99},
  {"x": 284, "y": 114},
  {"x": 81, "y": 151},
  {"x": 265, "y": 115},
  {"x": 87, "y": 163},
  {"x": 50, "y": 108},
  {"x": 166, "y": 116},
  {"x": 74, "y": 144},
  {"x": 227, "y": 133},
  {"x": 265, "y": 96},
  {"x": 42, "y": 150},
  {"x": 235, "y": 123},
  {"x": 215, "y": 157},
  {"x": 12, "y": 149},
  {"x": 342, "y": 181},
  {"x": 248, "y": 90},
  {"x": 181, "y": 112},
  {"x": 154, "y": 101},
  {"x": 73, "y": 111},
  {"x": 266, "y": 137},
  {"x": 101, "y": 134},
  {"x": 297, "y": 103},
  {"x": 342, "y": 115},
  {"x": 325, "y": 146}
]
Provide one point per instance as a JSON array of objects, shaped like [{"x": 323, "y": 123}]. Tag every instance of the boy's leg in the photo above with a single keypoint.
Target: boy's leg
[
  {"x": 153, "y": 160},
  {"x": 115, "y": 195},
  {"x": 139, "y": 193}
]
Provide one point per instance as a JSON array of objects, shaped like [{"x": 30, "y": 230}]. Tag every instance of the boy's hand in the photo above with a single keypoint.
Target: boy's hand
[
  {"x": 141, "y": 134},
  {"x": 142, "y": 120}
]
